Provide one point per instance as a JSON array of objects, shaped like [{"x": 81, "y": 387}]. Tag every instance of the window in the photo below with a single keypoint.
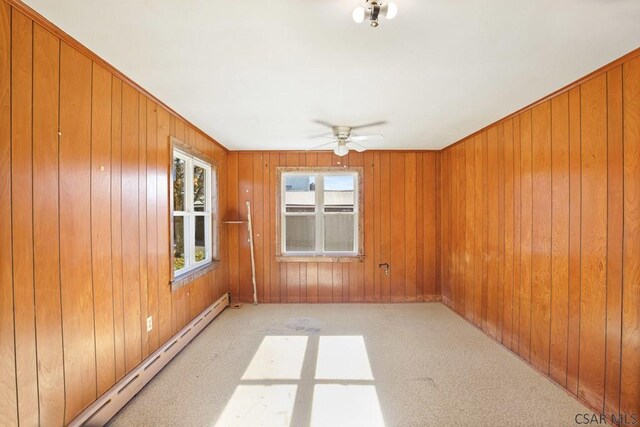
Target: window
[
  {"x": 194, "y": 209},
  {"x": 319, "y": 212}
]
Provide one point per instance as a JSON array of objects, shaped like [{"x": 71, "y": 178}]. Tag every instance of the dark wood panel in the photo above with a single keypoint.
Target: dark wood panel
[
  {"x": 75, "y": 231},
  {"x": 101, "y": 226},
  {"x": 430, "y": 220},
  {"x": 142, "y": 221},
  {"x": 397, "y": 242},
  {"x": 130, "y": 228},
  {"x": 500, "y": 259},
  {"x": 630, "y": 371},
  {"x": 593, "y": 302},
  {"x": 507, "y": 307},
  {"x": 46, "y": 256},
  {"x": 492, "y": 230},
  {"x": 517, "y": 229},
  {"x": 526, "y": 227},
  {"x": 153, "y": 283},
  {"x": 560, "y": 238},
  {"x": 478, "y": 209},
  {"x": 469, "y": 261},
  {"x": 8, "y": 393},
  {"x": 410, "y": 219},
  {"x": 369, "y": 227},
  {"x": 575, "y": 227},
  {"x": 164, "y": 254},
  {"x": 615, "y": 216},
  {"x": 22, "y": 215},
  {"x": 541, "y": 236},
  {"x": 116, "y": 226}
]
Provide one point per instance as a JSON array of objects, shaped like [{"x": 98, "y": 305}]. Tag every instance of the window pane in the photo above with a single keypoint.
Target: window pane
[
  {"x": 178, "y": 184},
  {"x": 339, "y": 193},
  {"x": 200, "y": 239},
  {"x": 300, "y": 193},
  {"x": 178, "y": 243},
  {"x": 300, "y": 233},
  {"x": 338, "y": 233},
  {"x": 199, "y": 189}
]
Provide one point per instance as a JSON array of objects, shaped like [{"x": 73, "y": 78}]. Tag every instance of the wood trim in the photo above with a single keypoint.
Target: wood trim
[
  {"x": 72, "y": 42},
  {"x": 317, "y": 258},
  {"x": 179, "y": 282},
  {"x": 193, "y": 275},
  {"x": 610, "y": 66}
]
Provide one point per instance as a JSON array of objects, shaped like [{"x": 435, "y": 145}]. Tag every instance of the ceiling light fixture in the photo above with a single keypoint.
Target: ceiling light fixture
[
  {"x": 373, "y": 11},
  {"x": 341, "y": 149}
]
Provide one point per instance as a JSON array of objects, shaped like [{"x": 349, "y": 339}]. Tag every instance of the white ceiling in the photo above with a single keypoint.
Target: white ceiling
[{"x": 256, "y": 74}]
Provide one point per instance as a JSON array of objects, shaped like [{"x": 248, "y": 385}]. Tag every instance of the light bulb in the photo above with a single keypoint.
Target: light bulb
[
  {"x": 392, "y": 10},
  {"x": 358, "y": 14},
  {"x": 341, "y": 150}
]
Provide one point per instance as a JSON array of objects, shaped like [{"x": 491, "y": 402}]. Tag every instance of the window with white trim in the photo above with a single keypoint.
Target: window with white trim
[
  {"x": 194, "y": 209},
  {"x": 319, "y": 213}
]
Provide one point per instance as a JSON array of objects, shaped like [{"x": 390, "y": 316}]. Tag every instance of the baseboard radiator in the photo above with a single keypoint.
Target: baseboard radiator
[{"x": 103, "y": 409}]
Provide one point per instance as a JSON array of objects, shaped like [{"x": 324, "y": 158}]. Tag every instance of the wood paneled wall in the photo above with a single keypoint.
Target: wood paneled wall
[
  {"x": 541, "y": 235},
  {"x": 84, "y": 225},
  {"x": 400, "y": 217}
]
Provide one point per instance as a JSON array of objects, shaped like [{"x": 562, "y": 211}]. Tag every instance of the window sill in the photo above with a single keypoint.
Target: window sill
[
  {"x": 190, "y": 276},
  {"x": 319, "y": 258}
]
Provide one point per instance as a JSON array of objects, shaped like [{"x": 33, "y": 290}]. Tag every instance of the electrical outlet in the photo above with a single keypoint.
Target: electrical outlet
[{"x": 149, "y": 323}]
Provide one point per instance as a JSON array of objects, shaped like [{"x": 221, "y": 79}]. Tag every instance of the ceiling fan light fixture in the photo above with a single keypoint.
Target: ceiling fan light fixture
[
  {"x": 358, "y": 15},
  {"x": 390, "y": 10},
  {"x": 341, "y": 149},
  {"x": 373, "y": 10}
]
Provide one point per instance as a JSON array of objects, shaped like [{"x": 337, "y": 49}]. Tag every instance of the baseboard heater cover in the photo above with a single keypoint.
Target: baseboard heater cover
[{"x": 107, "y": 405}]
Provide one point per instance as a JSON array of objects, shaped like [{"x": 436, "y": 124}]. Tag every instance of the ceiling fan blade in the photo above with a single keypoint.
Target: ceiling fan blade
[
  {"x": 323, "y": 136},
  {"x": 365, "y": 137},
  {"x": 355, "y": 146},
  {"x": 318, "y": 147},
  {"x": 323, "y": 123},
  {"x": 381, "y": 122}
]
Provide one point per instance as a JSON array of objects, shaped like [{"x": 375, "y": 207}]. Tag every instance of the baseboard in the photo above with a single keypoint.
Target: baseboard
[{"x": 107, "y": 405}]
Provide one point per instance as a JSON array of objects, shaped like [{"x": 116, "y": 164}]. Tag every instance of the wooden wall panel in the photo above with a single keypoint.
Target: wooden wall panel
[
  {"x": 393, "y": 231},
  {"x": 507, "y": 305},
  {"x": 152, "y": 220},
  {"x": 630, "y": 375},
  {"x": 101, "y": 226},
  {"x": 560, "y": 238},
  {"x": 75, "y": 230},
  {"x": 562, "y": 214},
  {"x": 84, "y": 225},
  {"x": 593, "y": 300},
  {"x": 46, "y": 257},
  {"x": 22, "y": 215},
  {"x": 575, "y": 254},
  {"x": 8, "y": 393},
  {"x": 615, "y": 215},
  {"x": 541, "y": 236},
  {"x": 130, "y": 227}
]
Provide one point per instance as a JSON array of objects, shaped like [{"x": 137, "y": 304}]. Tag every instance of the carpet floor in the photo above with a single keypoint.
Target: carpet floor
[{"x": 347, "y": 364}]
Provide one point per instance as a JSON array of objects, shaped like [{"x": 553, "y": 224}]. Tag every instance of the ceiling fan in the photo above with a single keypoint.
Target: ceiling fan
[{"x": 344, "y": 140}]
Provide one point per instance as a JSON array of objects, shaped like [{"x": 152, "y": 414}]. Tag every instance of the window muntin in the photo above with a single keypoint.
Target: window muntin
[
  {"x": 319, "y": 213},
  {"x": 194, "y": 210}
]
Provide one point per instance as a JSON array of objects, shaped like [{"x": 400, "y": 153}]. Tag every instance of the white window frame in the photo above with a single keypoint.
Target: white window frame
[
  {"x": 189, "y": 214},
  {"x": 319, "y": 213}
]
